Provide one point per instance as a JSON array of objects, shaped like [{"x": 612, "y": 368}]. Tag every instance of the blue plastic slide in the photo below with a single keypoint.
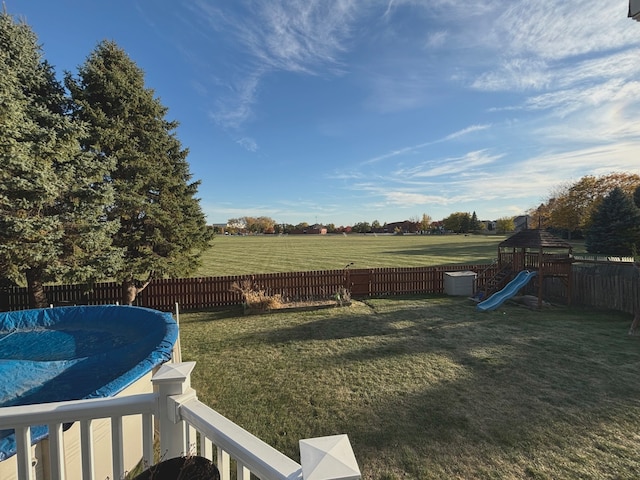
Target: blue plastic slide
[{"x": 498, "y": 298}]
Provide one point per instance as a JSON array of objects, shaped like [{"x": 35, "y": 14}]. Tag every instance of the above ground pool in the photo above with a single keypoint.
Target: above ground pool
[{"x": 71, "y": 353}]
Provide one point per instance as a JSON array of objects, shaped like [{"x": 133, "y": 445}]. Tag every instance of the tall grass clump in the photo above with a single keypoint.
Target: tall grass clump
[{"x": 256, "y": 299}]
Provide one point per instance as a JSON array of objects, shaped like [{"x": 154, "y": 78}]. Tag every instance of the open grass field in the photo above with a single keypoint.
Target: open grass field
[
  {"x": 430, "y": 388},
  {"x": 237, "y": 255}
]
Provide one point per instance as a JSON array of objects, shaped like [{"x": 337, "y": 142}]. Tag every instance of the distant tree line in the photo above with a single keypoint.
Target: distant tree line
[
  {"x": 267, "y": 225},
  {"x": 94, "y": 183},
  {"x": 458, "y": 222},
  {"x": 603, "y": 210}
]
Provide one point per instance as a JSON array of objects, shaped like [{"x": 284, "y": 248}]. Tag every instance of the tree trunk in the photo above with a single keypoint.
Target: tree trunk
[
  {"x": 35, "y": 288},
  {"x": 131, "y": 288}
]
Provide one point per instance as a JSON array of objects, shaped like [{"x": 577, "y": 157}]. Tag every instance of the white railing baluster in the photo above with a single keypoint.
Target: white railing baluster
[
  {"x": 243, "y": 472},
  {"x": 117, "y": 448},
  {"x": 192, "y": 441},
  {"x": 86, "y": 442},
  {"x": 147, "y": 440},
  {"x": 224, "y": 464},
  {"x": 56, "y": 452},
  {"x": 23, "y": 447},
  {"x": 206, "y": 446}
]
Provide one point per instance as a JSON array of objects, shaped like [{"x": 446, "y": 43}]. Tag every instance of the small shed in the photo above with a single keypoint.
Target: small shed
[{"x": 540, "y": 251}]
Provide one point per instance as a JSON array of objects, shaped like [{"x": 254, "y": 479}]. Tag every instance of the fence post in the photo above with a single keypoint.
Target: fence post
[
  {"x": 171, "y": 380},
  {"x": 328, "y": 458}
]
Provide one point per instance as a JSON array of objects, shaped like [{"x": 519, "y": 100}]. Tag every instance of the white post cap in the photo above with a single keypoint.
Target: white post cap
[{"x": 328, "y": 458}]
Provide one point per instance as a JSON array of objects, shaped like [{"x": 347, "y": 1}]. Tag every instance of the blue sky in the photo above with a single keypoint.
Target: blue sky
[{"x": 352, "y": 111}]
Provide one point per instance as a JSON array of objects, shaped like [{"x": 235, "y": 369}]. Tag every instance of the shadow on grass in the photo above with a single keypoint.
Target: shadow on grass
[{"x": 451, "y": 250}]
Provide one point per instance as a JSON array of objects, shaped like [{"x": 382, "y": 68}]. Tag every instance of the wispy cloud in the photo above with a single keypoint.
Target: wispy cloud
[
  {"x": 572, "y": 164},
  {"x": 617, "y": 65},
  {"x": 536, "y": 45},
  {"x": 276, "y": 35},
  {"x": 408, "y": 199},
  {"x": 436, "y": 39},
  {"x": 608, "y": 123},
  {"x": 235, "y": 108},
  {"x": 552, "y": 30},
  {"x": 515, "y": 74},
  {"x": 297, "y": 36},
  {"x": 248, "y": 143},
  {"x": 465, "y": 131},
  {"x": 576, "y": 80},
  {"x": 399, "y": 196},
  {"x": 564, "y": 102},
  {"x": 530, "y": 74},
  {"x": 450, "y": 166},
  {"x": 418, "y": 147},
  {"x": 395, "y": 153}
]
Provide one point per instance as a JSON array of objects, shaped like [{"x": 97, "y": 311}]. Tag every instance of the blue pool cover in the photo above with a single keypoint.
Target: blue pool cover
[{"x": 71, "y": 353}]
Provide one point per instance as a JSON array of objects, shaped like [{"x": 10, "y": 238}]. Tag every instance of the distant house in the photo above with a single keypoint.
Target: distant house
[
  {"x": 219, "y": 227},
  {"x": 522, "y": 222},
  {"x": 437, "y": 226},
  {"x": 489, "y": 226}
]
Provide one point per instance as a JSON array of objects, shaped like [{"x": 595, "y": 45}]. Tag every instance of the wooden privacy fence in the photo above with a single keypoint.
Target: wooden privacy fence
[
  {"x": 613, "y": 285},
  {"x": 198, "y": 293},
  {"x": 610, "y": 285}
]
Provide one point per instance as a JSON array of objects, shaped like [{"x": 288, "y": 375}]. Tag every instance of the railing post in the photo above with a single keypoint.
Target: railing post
[
  {"x": 23, "y": 444},
  {"x": 171, "y": 380},
  {"x": 328, "y": 458}
]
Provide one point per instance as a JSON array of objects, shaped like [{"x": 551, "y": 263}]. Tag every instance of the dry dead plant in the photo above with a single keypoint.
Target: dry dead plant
[
  {"x": 256, "y": 298},
  {"x": 343, "y": 296}
]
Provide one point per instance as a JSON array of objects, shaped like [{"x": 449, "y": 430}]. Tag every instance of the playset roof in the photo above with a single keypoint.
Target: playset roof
[{"x": 534, "y": 238}]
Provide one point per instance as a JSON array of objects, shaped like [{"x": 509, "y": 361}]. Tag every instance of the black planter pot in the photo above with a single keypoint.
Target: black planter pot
[{"x": 181, "y": 468}]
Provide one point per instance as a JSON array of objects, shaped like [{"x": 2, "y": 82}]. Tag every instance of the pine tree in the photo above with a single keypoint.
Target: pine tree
[
  {"x": 615, "y": 225},
  {"x": 162, "y": 227},
  {"x": 476, "y": 226},
  {"x": 52, "y": 197}
]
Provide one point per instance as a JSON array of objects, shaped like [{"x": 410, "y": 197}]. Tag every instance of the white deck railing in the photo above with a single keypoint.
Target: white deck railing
[{"x": 186, "y": 426}]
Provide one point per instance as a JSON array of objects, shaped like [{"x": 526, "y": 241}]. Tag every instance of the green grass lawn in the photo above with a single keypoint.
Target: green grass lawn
[
  {"x": 430, "y": 388},
  {"x": 236, "y": 255}
]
